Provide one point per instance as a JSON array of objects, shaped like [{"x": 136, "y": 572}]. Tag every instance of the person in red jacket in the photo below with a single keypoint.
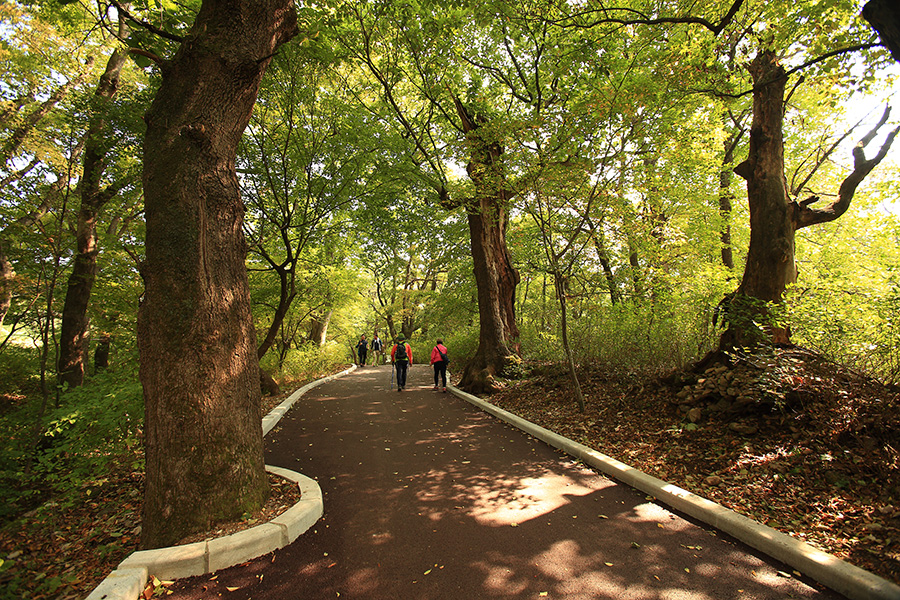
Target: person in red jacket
[
  {"x": 439, "y": 361},
  {"x": 401, "y": 357}
]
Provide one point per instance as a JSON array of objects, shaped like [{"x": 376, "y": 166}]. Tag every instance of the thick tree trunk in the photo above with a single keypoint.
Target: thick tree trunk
[
  {"x": 495, "y": 277},
  {"x": 197, "y": 343},
  {"x": 74, "y": 333},
  {"x": 770, "y": 264},
  {"x": 884, "y": 17},
  {"x": 774, "y": 217},
  {"x": 318, "y": 329}
]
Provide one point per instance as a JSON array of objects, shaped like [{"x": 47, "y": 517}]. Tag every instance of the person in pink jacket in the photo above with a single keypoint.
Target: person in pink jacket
[{"x": 439, "y": 361}]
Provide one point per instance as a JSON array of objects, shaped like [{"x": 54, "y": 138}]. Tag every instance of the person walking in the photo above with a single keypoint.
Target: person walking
[
  {"x": 377, "y": 350},
  {"x": 362, "y": 348},
  {"x": 439, "y": 361},
  {"x": 401, "y": 358}
]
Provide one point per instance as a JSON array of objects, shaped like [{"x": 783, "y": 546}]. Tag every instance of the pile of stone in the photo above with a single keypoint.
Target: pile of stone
[{"x": 728, "y": 393}]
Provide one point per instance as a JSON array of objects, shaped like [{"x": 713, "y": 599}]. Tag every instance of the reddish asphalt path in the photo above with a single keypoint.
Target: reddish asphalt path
[{"x": 428, "y": 498}]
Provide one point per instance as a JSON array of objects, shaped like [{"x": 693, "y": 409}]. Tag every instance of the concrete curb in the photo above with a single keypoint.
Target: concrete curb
[
  {"x": 130, "y": 577},
  {"x": 841, "y": 576}
]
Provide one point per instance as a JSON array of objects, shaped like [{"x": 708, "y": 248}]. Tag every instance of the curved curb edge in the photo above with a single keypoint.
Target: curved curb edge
[
  {"x": 834, "y": 573},
  {"x": 130, "y": 577}
]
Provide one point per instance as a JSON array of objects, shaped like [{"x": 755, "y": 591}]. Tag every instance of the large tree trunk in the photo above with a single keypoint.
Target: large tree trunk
[
  {"x": 495, "y": 277},
  {"x": 318, "y": 329},
  {"x": 770, "y": 259},
  {"x": 196, "y": 338},
  {"x": 884, "y": 17},
  {"x": 73, "y": 339}
]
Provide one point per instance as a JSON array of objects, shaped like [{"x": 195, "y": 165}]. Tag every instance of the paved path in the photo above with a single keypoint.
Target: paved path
[{"x": 428, "y": 498}]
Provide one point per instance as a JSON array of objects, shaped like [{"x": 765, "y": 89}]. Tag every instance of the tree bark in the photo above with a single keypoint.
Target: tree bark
[
  {"x": 318, "y": 329},
  {"x": 74, "y": 332},
  {"x": 197, "y": 343},
  {"x": 495, "y": 277},
  {"x": 884, "y": 17},
  {"x": 770, "y": 259}
]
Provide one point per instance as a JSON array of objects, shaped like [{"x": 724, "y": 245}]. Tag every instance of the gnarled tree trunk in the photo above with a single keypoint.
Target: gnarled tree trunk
[
  {"x": 495, "y": 277},
  {"x": 197, "y": 343},
  {"x": 770, "y": 260}
]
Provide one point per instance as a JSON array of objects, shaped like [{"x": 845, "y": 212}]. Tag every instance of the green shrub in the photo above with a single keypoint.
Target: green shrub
[
  {"x": 95, "y": 427},
  {"x": 307, "y": 362}
]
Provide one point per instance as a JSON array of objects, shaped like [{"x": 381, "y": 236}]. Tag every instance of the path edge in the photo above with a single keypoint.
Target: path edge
[
  {"x": 130, "y": 577},
  {"x": 853, "y": 582}
]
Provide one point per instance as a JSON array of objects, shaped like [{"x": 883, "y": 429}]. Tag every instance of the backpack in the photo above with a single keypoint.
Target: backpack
[
  {"x": 443, "y": 355},
  {"x": 400, "y": 353}
]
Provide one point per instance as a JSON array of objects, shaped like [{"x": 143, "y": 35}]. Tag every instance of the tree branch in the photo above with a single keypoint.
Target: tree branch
[
  {"x": 807, "y": 216},
  {"x": 145, "y": 25}
]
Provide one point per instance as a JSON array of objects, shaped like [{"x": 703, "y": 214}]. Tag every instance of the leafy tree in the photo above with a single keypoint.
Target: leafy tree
[
  {"x": 774, "y": 215},
  {"x": 94, "y": 195},
  {"x": 305, "y": 162}
]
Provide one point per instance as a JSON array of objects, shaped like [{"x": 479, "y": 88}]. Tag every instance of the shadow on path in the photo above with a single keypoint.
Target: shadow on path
[{"x": 428, "y": 498}]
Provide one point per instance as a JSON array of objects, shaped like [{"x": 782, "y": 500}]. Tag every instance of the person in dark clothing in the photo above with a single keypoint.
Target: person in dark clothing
[
  {"x": 401, "y": 357},
  {"x": 361, "y": 349},
  {"x": 377, "y": 350},
  {"x": 439, "y": 361}
]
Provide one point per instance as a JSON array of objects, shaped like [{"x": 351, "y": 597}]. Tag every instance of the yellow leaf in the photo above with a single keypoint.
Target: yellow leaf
[
  {"x": 608, "y": 564},
  {"x": 231, "y": 589},
  {"x": 427, "y": 572}
]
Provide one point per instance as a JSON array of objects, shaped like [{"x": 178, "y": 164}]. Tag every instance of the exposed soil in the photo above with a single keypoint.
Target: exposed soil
[{"x": 790, "y": 441}]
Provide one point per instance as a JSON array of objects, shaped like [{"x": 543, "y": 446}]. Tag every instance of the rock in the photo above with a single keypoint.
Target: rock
[
  {"x": 713, "y": 480},
  {"x": 720, "y": 406},
  {"x": 743, "y": 428}
]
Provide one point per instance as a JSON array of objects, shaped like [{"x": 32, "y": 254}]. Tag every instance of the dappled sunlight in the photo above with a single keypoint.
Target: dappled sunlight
[
  {"x": 517, "y": 501},
  {"x": 426, "y": 498}
]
